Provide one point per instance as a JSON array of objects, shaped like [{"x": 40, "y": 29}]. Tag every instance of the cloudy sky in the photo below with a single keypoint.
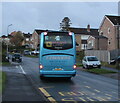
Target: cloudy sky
[{"x": 27, "y": 16}]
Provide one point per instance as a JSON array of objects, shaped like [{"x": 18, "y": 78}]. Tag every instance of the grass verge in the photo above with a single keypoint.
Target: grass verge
[
  {"x": 32, "y": 56},
  {"x": 2, "y": 81},
  {"x": 108, "y": 65},
  {"x": 4, "y": 63},
  {"x": 79, "y": 65},
  {"x": 100, "y": 71}
]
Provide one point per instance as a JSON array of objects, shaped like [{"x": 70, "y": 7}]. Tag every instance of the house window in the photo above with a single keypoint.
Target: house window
[
  {"x": 108, "y": 30},
  {"x": 92, "y": 43},
  {"x": 27, "y": 39},
  {"x": 101, "y": 32},
  {"x": 109, "y": 42}
]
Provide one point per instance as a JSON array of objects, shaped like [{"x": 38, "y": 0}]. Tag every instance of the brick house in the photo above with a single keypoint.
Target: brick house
[
  {"x": 97, "y": 42},
  {"x": 82, "y": 35},
  {"x": 5, "y": 39},
  {"x": 27, "y": 40},
  {"x": 110, "y": 28},
  {"x": 35, "y": 38}
]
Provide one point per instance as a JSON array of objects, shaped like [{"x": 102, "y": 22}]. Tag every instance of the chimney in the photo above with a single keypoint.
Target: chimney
[{"x": 88, "y": 28}]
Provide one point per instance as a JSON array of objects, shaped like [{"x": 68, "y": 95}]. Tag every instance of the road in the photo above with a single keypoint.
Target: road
[{"x": 83, "y": 87}]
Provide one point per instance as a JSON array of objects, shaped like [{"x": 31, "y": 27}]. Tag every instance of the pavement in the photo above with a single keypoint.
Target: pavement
[
  {"x": 113, "y": 75},
  {"x": 18, "y": 88},
  {"x": 108, "y": 68}
]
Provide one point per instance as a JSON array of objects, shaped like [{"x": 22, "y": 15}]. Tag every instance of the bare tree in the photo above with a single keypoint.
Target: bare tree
[
  {"x": 65, "y": 24},
  {"x": 17, "y": 39}
]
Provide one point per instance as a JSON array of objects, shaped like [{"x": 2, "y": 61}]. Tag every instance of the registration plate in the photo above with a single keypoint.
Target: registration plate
[
  {"x": 58, "y": 69},
  {"x": 94, "y": 65}
]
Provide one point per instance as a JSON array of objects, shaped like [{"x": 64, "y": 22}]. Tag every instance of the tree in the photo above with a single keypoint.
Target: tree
[
  {"x": 65, "y": 24},
  {"x": 17, "y": 39}
]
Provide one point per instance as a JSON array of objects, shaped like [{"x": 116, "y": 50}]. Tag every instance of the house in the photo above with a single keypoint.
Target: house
[
  {"x": 36, "y": 38},
  {"x": 82, "y": 35},
  {"x": 27, "y": 40},
  {"x": 98, "y": 42},
  {"x": 5, "y": 39},
  {"x": 110, "y": 28}
]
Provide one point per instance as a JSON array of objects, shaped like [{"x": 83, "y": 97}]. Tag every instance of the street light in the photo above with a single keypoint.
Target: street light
[
  {"x": 7, "y": 35},
  {"x": 118, "y": 37}
]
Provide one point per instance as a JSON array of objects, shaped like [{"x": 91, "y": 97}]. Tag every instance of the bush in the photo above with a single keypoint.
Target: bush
[
  {"x": 80, "y": 55},
  {"x": 4, "y": 58},
  {"x": 3, "y": 54}
]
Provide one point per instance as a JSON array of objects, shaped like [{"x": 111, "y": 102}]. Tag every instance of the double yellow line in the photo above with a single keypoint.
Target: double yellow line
[{"x": 49, "y": 97}]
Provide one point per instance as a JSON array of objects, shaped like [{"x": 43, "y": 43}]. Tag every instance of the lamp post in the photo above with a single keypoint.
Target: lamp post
[
  {"x": 118, "y": 37},
  {"x": 7, "y": 35}
]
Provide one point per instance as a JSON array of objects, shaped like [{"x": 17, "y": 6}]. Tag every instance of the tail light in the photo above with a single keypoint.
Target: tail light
[
  {"x": 74, "y": 66},
  {"x": 70, "y": 33},
  {"x": 45, "y": 33},
  {"x": 41, "y": 66}
]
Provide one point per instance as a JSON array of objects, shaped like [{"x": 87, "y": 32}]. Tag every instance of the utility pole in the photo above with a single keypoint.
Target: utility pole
[
  {"x": 118, "y": 45},
  {"x": 7, "y": 35}
]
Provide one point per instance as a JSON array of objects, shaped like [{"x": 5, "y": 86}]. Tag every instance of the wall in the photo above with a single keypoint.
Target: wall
[
  {"x": 78, "y": 40},
  {"x": 35, "y": 39},
  {"x": 114, "y": 53},
  {"x": 101, "y": 44}
]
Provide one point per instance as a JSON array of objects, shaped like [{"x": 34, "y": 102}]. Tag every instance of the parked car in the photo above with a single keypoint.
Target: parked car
[
  {"x": 27, "y": 52},
  {"x": 7, "y": 57},
  {"x": 91, "y": 62},
  {"x": 114, "y": 61},
  {"x": 17, "y": 57},
  {"x": 35, "y": 52}
]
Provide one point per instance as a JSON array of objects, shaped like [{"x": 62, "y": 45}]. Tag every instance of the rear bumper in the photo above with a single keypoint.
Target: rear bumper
[
  {"x": 57, "y": 73},
  {"x": 92, "y": 66}
]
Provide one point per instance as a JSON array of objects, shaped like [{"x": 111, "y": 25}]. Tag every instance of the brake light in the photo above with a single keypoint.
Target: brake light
[
  {"x": 41, "y": 66},
  {"x": 74, "y": 66},
  {"x": 70, "y": 33},
  {"x": 45, "y": 33}
]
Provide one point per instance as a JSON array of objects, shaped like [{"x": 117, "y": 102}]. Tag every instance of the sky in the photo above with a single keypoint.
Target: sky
[{"x": 28, "y": 16}]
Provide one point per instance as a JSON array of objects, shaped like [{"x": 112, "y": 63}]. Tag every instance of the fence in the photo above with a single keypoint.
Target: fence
[
  {"x": 102, "y": 55},
  {"x": 114, "y": 53}
]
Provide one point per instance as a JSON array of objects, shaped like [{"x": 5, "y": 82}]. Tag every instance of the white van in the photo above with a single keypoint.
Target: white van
[{"x": 91, "y": 62}]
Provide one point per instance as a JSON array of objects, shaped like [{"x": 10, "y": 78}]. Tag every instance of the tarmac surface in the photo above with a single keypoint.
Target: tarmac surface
[{"x": 19, "y": 87}]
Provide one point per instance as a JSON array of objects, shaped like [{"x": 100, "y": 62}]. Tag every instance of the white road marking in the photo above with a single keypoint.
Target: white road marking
[
  {"x": 90, "y": 99},
  {"x": 108, "y": 95},
  {"x": 96, "y": 90},
  {"x": 87, "y": 87},
  {"x": 22, "y": 69},
  {"x": 16, "y": 66}
]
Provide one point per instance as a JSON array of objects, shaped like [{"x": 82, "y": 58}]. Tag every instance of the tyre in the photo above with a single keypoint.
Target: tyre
[
  {"x": 42, "y": 78},
  {"x": 83, "y": 66},
  {"x": 87, "y": 67},
  {"x": 68, "y": 78},
  {"x": 99, "y": 67},
  {"x": 12, "y": 59}
]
